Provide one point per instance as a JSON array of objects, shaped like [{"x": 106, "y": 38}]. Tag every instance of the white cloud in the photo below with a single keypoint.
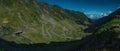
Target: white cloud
[
  {"x": 91, "y": 16},
  {"x": 109, "y": 12},
  {"x": 104, "y": 14},
  {"x": 101, "y": 13}
]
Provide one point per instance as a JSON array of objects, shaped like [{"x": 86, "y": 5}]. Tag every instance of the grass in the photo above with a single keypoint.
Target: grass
[
  {"x": 36, "y": 21},
  {"x": 106, "y": 26}
]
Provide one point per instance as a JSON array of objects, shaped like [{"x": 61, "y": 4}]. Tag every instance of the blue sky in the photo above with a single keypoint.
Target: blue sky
[{"x": 88, "y": 6}]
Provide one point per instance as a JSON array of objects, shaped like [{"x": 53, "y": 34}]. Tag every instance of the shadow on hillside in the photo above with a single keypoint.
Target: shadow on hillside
[
  {"x": 92, "y": 42},
  {"x": 90, "y": 29}
]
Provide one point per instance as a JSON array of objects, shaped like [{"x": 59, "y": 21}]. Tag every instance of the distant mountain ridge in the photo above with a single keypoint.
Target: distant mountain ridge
[{"x": 111, "y": 16}]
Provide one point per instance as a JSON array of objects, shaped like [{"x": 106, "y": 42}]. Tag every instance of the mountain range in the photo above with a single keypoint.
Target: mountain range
[{"x": 28, "y": 25}]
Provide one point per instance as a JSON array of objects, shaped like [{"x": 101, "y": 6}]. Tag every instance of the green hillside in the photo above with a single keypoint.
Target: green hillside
[
  {"x": 32, "y": 22},
  {"x": 110, "y": 25}
]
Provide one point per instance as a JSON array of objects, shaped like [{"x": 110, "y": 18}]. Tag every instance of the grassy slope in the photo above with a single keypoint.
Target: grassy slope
[
  {"x": 39, "y": 22},
  {"x": 112, "y": 21},
  {"x": 108, "y": 25}
]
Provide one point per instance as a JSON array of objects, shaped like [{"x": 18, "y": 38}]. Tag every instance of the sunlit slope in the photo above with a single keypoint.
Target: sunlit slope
[{"x": 38, "y": 22}]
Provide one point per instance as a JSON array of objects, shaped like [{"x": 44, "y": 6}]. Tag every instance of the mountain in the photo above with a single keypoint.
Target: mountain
[
  {"x": 110, "y": 22},
  {"x": 106, "y": 36},
  {"x": 105, "y": 19},
  {"x": 28, "y": 25},
  {"x": 97, "y": 18},
  {"x": 30, "y": 22}
]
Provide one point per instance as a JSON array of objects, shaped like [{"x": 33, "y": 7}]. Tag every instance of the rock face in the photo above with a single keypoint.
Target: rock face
[{"x": 40, "y": 22}]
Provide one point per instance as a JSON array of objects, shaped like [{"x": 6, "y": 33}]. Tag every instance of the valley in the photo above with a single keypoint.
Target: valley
[{"x": 42, "y": 26}]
